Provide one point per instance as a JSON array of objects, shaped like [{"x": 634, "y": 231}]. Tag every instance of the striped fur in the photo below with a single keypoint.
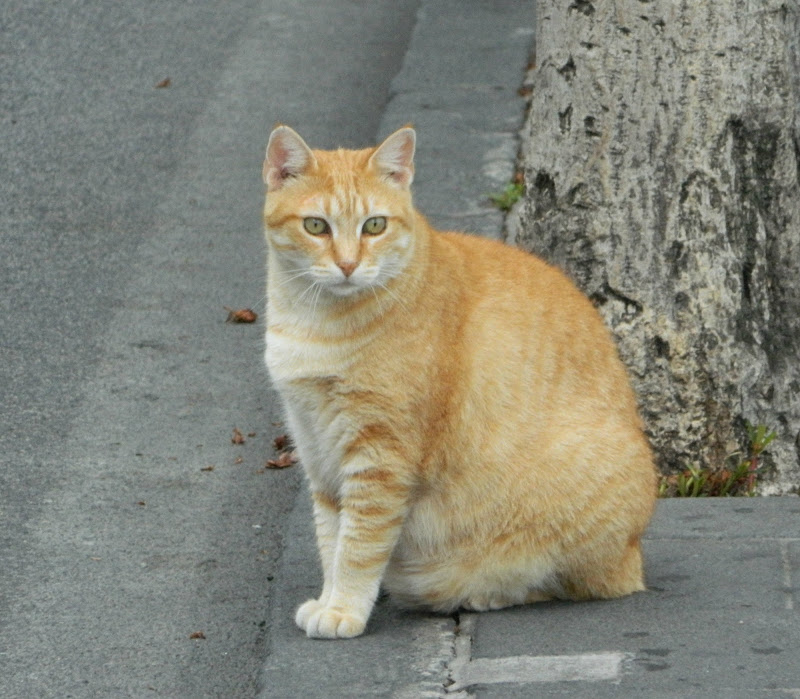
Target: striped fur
[{"x": 468, "y": 431}]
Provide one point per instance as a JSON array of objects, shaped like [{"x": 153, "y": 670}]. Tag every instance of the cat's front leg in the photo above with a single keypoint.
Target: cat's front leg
[
  {"x": 372, "y": 508},
  {"x": 326, "y": 522}
]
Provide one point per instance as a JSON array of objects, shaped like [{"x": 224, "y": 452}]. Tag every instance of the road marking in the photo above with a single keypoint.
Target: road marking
[
  {"x": 603, "y": 666},
  {"x": 525, "y": 669}
]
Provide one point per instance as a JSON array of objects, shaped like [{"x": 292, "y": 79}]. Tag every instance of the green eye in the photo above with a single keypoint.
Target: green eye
[
  {"x": 374, "y": 226},
  {"x": 315, "y": 226}
]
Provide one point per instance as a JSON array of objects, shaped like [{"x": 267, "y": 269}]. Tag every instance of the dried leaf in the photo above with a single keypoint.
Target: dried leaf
[
  {"x": 280, "y": 442},
  {"x": 241, "y": 315},
  {"x": 238, "y": 437},
  {"x": 284, "y": 460},
  {"x": 166, "y": 82}
]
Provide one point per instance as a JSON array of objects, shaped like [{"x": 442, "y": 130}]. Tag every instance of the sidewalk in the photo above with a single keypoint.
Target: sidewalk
[{"x": 720, "y": 617}]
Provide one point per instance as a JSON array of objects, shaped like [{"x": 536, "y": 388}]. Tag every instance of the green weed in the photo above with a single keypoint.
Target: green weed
[
  {"x": 509, "y": 196},
  {"x": 738, "y": 478}
]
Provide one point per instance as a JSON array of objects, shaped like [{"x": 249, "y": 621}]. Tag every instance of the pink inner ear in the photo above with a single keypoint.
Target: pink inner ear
[
  {"x": 395, "y": 157},
  {"x": 287, "y": 157},
  {"x": 278, "y": 159},
  {"x": 402, "y": 177},
  {"x": 280, "y": 156},
  {"x": 274, "y": 176}
]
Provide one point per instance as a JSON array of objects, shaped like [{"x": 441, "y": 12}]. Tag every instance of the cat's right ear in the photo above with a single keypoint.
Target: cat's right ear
[
  {"x": 394, "y": 158},
  {"x": 288, "y": 156}
]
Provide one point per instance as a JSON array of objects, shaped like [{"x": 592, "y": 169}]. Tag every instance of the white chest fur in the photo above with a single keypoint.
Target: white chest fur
[{"x": 306, "y": 373}]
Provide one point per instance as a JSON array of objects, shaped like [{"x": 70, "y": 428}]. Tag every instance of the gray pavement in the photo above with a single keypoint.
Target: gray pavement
[
  {"x": 720, "y": 617},
  {"x": 130, "y": 219}
]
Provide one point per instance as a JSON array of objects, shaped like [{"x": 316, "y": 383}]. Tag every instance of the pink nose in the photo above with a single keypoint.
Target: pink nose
[{"x": 347, "y": 267}]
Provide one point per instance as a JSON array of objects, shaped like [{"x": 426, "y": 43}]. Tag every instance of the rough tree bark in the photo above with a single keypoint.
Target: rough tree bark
[{"x": 662, "y": 159}]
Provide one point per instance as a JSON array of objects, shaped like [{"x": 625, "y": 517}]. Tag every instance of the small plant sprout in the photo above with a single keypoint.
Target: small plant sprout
[
  {"x": 738, "y": 478},
  {"x": 760, "y": 438},
  {"x": 509, "y": 196}
]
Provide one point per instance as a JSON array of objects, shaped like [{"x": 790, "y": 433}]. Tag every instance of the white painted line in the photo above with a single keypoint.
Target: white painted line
[{"x": 526, "y": 669}]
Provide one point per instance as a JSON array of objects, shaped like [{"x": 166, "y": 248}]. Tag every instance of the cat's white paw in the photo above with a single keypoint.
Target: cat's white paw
[
  {"x": 319, "y": 621},
  {"x": 305, "y": 611}
]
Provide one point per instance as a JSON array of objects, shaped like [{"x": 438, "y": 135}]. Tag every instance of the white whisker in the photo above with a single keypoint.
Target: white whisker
[
  {"x": 378, "y": 299},
  {"x": 316, "y": 298},
  {"x": 393, "y": 295},
  {"x": 300, "y": 272},
  {"x": 308, "y": 291}
]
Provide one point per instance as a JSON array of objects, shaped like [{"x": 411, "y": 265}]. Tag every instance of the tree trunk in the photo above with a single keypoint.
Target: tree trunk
[{"x": 662, "y": 161}]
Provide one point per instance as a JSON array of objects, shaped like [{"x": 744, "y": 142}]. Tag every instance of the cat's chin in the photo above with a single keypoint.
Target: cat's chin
[{"x": 346, "y": 289}]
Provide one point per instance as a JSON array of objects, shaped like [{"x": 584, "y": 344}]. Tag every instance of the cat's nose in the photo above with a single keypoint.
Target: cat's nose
[{"x": 347, "y": 266}]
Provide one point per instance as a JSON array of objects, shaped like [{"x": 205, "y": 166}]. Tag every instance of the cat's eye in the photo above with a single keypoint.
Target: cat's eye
[
  {"x": 374, "y": 226},
  {"x": 315, "y": 226}
]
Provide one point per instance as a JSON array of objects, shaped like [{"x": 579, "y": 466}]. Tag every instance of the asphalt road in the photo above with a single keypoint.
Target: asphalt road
[{"x": 129, "y": 217}]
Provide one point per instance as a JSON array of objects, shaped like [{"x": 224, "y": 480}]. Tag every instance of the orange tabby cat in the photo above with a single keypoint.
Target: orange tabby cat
[{"x": 467, "y": 429}]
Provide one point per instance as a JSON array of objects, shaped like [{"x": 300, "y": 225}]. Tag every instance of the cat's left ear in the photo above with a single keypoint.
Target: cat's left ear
[
  {"x": 288, "y": 156},
  {"x": 394, "y": 158}
]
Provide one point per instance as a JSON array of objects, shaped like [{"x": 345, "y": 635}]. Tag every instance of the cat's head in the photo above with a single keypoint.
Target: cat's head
[{"x": 340, "y": 221}]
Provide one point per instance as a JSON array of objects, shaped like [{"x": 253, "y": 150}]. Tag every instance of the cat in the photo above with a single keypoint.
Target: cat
[{"x": 467, "y": 429}]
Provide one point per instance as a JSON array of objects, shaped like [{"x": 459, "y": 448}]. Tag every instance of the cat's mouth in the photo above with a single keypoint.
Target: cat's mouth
[
  {"x": 357, "y": 282},
  {"x": 346, "y": 287}
]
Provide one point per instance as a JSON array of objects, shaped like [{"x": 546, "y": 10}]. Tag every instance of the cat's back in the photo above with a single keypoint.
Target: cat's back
[
  {"x": 523, "y": 323},
  {"x": 502, "y": 274},
  {"x": 515, "y": 288}
]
